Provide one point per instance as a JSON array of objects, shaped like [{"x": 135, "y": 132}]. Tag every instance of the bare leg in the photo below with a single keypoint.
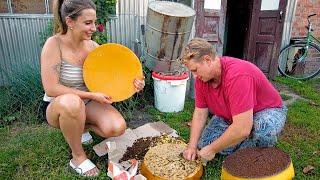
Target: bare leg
[
  {"x": 67, "y": 112},
  {"x": 104, "y": 120}
]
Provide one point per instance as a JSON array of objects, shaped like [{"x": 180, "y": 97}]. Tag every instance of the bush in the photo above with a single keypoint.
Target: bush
[
  {"x": 104, "y": 9},
  {"x": 46, "y": 33},
  {"x": 22, "y": 99},
  {"x": 139, "y": 100}
]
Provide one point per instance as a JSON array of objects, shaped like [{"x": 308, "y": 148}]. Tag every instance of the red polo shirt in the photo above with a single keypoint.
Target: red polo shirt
[{"x": 243, "y": 87}]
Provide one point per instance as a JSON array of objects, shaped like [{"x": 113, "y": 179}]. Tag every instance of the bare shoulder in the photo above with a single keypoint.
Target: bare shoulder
[
  {"x": 50, "y": 51},
  {"x": 51, "y": 41},
  {"x": 51, "y": 45}
]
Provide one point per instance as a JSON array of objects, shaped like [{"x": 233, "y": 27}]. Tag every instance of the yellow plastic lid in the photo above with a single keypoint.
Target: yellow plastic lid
[{"x": 111, "y": 69}]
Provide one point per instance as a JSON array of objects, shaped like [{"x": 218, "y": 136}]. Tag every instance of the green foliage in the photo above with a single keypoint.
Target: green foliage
[
  {"x": 139, "y": 100},
  {"x": 100, "y": 37},
  {"x": 23, "y": 97},
  {"x": 285, "y": 97},
  {"x": 48, "y": 31},
  {"x": 176, "y": 120},
  {"x": 104, "y": 9}
]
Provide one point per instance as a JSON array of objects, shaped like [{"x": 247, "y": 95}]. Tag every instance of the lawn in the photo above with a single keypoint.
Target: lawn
[{"x": 30, "y": 149}]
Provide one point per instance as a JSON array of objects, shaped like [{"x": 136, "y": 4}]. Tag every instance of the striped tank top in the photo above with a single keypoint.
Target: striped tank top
[{"x": 70, "y": 76}]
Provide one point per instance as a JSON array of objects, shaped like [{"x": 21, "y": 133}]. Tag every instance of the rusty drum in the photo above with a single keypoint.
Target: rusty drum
[{"x": 168, "y": 29}]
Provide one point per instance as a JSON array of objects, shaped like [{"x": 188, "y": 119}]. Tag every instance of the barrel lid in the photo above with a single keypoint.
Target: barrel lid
[
  {"x": 172, "y": 8},
  {"x": 111, "y": 69},
  {"x": 162, "y": 76}
]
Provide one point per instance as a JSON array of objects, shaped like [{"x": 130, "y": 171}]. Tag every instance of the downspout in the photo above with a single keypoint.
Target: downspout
[{"x": 288, "y": 23}]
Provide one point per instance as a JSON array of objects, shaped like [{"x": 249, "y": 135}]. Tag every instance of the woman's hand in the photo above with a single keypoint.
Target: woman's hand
[
  {"x": 138, "y": 84},
  {"x": 101, "y": 98},
  {"x": 206, "y": 153},
  {"x": 190, "y": 153}
]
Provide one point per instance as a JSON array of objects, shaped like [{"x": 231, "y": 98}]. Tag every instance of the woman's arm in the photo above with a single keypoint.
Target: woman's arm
[{"x": 50, "y": 71}]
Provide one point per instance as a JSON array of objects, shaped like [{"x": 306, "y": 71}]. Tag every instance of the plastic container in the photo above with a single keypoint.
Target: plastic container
[
  {"x": 287, "y": 174},
  {"x": 169, "y": 91},
  {"x": 261, "y": 158}
]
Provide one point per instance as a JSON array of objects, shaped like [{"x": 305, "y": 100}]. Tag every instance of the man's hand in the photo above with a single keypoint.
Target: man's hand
[
  {"x": 206, "y": 153},
  {"x": 190, "y": 153}
]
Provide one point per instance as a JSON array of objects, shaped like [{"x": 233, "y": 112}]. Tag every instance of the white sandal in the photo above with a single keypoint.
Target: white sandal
[
  {"x": 86, "y": 138},
  {"x": 84, "y": 167}
]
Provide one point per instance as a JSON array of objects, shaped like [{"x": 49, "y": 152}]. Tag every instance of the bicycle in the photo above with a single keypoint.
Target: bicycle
[{"x": 301, "y": 59}]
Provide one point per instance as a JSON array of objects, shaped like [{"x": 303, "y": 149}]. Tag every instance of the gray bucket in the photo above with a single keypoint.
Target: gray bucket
[{"x": 168, "y": 29}]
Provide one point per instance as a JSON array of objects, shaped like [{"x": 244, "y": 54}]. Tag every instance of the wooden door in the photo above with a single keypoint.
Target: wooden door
[
  {"x": 265, "y": 33},
  {"x": 210, "y": 21}
]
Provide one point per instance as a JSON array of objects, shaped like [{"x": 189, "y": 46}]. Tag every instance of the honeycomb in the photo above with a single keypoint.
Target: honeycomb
[{"x": 166, "y": 161}]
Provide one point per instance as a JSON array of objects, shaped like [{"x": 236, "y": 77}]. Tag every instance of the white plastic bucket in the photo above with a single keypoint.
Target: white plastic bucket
[{"x": 169, "y": 92}]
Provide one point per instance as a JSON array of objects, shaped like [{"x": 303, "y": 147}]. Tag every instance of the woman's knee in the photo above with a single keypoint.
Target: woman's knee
[
  {"x": 71, "y": 105},
  {"x": 119, "y": 127},
  {"x": 116, "y": 128}
]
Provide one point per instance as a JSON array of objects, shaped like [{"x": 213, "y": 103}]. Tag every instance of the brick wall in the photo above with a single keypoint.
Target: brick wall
[{"x": 303, "y": 9}]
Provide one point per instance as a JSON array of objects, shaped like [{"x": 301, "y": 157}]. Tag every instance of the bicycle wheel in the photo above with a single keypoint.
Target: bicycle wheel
[{"x": 291, "y": 66}]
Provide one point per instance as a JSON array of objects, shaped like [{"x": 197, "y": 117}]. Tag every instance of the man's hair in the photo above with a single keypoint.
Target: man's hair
[{"x": 197, "y": 48}]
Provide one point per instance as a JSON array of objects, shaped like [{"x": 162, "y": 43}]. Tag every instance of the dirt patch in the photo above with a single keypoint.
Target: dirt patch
[
  {"x": 291, "y": 132},
  {"x": 317, "y": 87},
  {"x": 257, "y": 162},
  {"x": 281, "y": 87},
  {"x": 140, "y": 118}
]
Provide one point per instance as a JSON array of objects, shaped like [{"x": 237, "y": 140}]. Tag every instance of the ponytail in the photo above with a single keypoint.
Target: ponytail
[{"x": 58, "y": 22}]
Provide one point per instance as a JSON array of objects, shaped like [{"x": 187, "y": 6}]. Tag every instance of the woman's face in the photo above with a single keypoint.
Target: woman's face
[{"x": 84, "y": 26}]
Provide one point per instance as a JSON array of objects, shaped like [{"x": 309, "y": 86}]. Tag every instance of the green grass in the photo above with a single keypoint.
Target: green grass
[
  {"x": 306, "y": 89},
  {"x": 285, "y": 97},
  {"x": 37, "y": 151}
]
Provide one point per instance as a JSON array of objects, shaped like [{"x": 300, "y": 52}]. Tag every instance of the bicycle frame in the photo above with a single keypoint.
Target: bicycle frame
[{"x": 308, "y": 40}]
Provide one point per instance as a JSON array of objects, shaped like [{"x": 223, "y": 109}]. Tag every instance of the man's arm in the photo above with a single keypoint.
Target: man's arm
[
  {"x": 198, "y": 122},
  {"x": 238, "y": 131}
]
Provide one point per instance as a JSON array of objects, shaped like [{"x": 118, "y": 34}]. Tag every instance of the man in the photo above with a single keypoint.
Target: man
[{"x": 248, "y": 110}]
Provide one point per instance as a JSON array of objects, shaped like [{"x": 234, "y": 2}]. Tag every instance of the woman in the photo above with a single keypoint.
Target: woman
[{"x": 70, "y": 106}]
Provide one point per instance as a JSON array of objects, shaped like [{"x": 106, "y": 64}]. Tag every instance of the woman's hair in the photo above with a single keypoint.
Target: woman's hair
[
  {"x": 197, "y": 48},
  {"x": 68, "y": 8}
]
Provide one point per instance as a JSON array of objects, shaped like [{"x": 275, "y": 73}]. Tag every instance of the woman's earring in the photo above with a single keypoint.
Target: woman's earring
[{"x": 70, "y": 28}]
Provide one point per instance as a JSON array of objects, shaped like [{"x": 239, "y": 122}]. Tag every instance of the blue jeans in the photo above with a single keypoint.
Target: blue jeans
[{"x": 267, "y": 125}]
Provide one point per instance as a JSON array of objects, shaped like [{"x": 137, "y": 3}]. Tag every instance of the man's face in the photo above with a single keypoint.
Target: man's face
[{"x": 207, "y": 69}]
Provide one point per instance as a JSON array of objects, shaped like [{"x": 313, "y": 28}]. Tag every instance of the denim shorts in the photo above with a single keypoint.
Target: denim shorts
[{"x": 267, "y": 125}]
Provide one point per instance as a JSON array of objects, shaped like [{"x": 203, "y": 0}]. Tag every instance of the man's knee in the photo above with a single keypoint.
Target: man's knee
[{"x": 268, "y": 140}]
